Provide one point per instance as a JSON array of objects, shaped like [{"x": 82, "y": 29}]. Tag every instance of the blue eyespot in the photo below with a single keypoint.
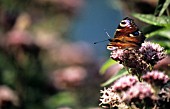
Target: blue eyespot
[{"x": 136, "y": 33}]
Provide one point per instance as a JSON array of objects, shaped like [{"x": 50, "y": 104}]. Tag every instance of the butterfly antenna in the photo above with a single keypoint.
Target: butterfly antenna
[
  {"x": 100, "y": 41},
  {"x": 107, "y": 33},
  {"x": 106, "y": 39}
]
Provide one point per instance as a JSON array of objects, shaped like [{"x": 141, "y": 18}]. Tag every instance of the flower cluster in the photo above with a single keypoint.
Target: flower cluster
[
  {"x": 156, "y": 77},
  {"x": 139, "y": 60},
  {"x": 152, "y": 52},
  {"x": 141, "y": 87},
  {"x": 164, "y": 96},
  {"x": 117, "y": 55},
  {"x": 110, "y": 99},
  {"x": 124, "y": 83},
  {"x": 135, "y": 92},
  {"x": 140, "y": 91}
]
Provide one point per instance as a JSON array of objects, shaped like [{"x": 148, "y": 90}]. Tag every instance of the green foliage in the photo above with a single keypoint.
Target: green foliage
[
  {"x": 164, "y": 32},
  {"x": 106, "y": 65},
  {"x": 110, "y": 62},
  {"x": 159, "y": 23},
  {"x": 161, "y": 7},
  {"x": 163, "y": 21},
  {"x": 158, "y": 30},
  {"x": 121, "y": 73},
  {"x": 61, "y": 99}
]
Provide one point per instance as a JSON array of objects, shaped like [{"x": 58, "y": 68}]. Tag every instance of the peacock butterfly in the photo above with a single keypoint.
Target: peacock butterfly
[{"x": 127, "y": 36}]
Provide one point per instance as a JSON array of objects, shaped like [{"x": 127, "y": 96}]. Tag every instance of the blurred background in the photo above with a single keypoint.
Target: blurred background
[{"x": 48, "y": 59}]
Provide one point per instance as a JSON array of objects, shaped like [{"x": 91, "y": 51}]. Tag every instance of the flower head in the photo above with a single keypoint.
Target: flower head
[
  {"x": 117, "y": 55},
  {"x": 110, "y": 98},
  {"x": 131, "y": 59},
  {"x": 156, "y": 77},
  {"x": 8, "y": 95},
  {"x": 141, "y": 91},
  {"x": 140, "y": 61},
  {"x": 124, "y": 83},
  {"x": 164, "y": 96},
  {"x": 152, "y": 52}
]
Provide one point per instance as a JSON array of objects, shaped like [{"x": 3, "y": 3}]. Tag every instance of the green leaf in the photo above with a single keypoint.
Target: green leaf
[
  {"x": 60, "y": 99},
  {"x": 121, "y": 73},
  {"x": 165, "y": 6},
  {"x": 151, "y": 19},
  {"x": 150, "y": 28},
  {"x": 161, "y": 7},
  {"x": 106, "y": 65},
  {"x": 165, "y": 32},
  {"x": 168, "y": 51},
  {"x": 165, "y": 44}
]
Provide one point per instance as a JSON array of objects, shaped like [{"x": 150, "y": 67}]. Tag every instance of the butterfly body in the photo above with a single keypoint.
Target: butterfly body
[{"x": 127, "y": 35}]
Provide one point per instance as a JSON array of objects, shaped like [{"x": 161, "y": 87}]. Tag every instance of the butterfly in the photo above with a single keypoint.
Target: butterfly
[{"x": 127, "y": 35}]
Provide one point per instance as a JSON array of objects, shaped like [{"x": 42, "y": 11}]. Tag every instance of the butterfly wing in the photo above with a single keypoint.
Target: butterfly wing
[{"x": 127, "y": 35}]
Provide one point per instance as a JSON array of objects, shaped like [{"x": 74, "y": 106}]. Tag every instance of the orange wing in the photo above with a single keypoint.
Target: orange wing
[{"x": 127, "y": 35}]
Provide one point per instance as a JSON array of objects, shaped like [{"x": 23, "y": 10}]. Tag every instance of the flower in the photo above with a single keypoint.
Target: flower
[
  {"x": 152, "y": 52},
  {"x": 135, "y": 89},
  {"x": 156, "y": 77},
  {"x": 124, "y": 83},
  {"x": 140, "y": 61},
  {"x": 141, "y": 91},
  {"x": 69, "y": 77},
  {"x": 132, "y": 59},
  {"x": 110, "y": 98},
  {"x": 117, "y": 55},
  {"x": 8, "y": 95},
  {"x": 164, "y": 96}
]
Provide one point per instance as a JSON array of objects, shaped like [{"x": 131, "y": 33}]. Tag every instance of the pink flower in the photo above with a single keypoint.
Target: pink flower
[
  {"x": 124, "y": 83},
  {"x": 156, "y": 77},
  {"x": 141, "y": 91},
  {"x": 152, "y": 52}
]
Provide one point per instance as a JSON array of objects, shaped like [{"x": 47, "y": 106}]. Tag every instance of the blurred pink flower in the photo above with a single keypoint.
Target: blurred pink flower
[
  {"x": 8, "y": 95},
  {"x": 67, "y": 5},
  {"x": 163, "y": 64},
  {"x": 69, "y": 77},
  {"x": 18, "y": 38}
]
